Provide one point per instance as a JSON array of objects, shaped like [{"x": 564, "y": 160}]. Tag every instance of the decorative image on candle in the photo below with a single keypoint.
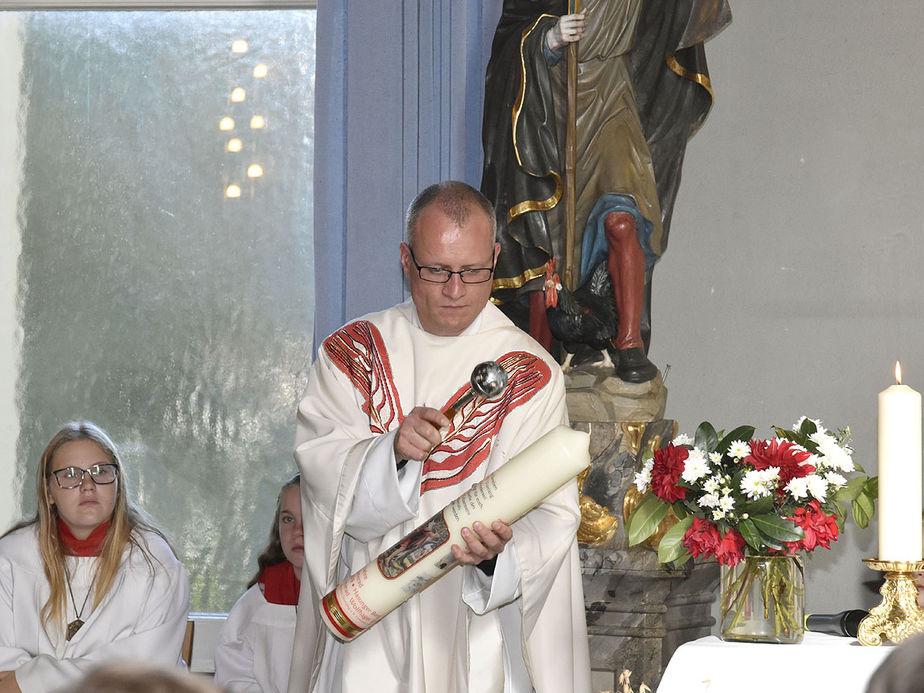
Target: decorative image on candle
[{"x": 899, "y": 472}]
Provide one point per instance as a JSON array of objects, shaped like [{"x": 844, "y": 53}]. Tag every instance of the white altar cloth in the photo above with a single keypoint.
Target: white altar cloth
[{"x": 819, "y": 663}]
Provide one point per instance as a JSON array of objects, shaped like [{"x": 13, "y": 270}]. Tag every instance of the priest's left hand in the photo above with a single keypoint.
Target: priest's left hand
[{"x": 482, "y": 543}]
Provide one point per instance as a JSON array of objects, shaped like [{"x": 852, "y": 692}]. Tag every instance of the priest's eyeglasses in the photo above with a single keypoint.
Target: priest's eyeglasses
[
  {"x": 441, "y": 275},
  {"x": 72, "y": 477}
]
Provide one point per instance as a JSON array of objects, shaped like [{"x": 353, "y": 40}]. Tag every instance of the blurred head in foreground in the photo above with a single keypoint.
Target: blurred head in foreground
[{"x": 140, "y": 678}]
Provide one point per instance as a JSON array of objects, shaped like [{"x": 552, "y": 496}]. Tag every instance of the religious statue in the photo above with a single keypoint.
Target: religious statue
[{"x": 591, "y": 187}]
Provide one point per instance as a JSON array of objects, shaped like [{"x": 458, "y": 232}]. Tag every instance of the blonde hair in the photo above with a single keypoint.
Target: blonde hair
[{"x": 125, "y": 519}]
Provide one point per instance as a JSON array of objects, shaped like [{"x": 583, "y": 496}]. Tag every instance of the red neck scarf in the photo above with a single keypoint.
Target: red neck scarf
[
  {"x": 280, "y": 586},
  {"x": 91, "y": 546}
]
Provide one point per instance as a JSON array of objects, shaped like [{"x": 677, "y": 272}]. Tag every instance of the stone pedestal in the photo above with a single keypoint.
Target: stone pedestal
[{"x": 638, "y": 612}]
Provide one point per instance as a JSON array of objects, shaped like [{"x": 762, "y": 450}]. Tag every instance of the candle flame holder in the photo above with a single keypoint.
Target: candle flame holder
[{"x": 898, "y": 616}]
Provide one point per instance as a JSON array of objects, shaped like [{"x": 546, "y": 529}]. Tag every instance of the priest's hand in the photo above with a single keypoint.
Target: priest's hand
[
  {"x": 419, "y": 433},
  {"x": 482, "y": 543},
  {"x": 568, "y": 29}
]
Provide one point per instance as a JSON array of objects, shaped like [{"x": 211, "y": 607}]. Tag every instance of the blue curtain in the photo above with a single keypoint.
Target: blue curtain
[{"x": 399, "y": 94}]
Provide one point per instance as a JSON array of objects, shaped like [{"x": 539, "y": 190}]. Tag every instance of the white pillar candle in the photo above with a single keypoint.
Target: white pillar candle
[
  {"x": 899, "y": 472},
  {"x": 424, "y": 555}
]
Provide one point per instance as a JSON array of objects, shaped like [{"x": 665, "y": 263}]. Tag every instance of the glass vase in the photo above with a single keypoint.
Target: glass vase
[{"x": 762, "y": 600}]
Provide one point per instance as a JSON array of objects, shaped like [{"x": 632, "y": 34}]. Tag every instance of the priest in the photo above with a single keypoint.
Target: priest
[{"x": 379, "y": 457}]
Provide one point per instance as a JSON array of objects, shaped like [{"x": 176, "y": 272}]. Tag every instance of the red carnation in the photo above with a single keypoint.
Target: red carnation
[
  {"x": 701, "y": 539},
  {"x": 666, "y": 471},
  {"x": 820, "y": 529},
  {"x": 731, "y": 549},
  {"x": 784, "y": 454}
]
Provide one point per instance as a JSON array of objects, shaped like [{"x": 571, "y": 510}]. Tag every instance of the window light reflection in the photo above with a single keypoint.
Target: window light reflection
[
  {"x": 226, "y": 123},
  {"x": 257, "y": 122},
  {"x": 233, "y": 191},
  {"x": 254, "y": 171},
  {"x": 259, "y": 71},
  {"x": 239, "y": 46},
  {"x": 234, "y": 145},
  {"x": 238, "y": 94}
]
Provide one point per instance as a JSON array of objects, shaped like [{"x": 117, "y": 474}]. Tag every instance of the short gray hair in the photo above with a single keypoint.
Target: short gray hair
[{"x": 455, "y": 199}]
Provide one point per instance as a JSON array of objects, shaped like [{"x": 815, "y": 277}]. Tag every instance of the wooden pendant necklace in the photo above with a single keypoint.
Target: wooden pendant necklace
[{"x": 75, "y": 625}]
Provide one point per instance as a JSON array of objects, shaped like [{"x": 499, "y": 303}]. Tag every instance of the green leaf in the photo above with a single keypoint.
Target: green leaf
[
  {"x": 645, "y": 519},
  {"x": 744, "y": 433},
  {"x": 706, "y": 437},
  {"x": 680, "y": 561},
  {"x": 808, "y": 428},
  {"x": 750, "y": 534},
  {"x": 873, "y": 487},
  {"x": 863, "y": 510},
  {"x": 671, "y": 547},
  {"x": 851, "y": 489},
  {"x": 761, "y": 506},
  {"x": 777, "y": 528}
]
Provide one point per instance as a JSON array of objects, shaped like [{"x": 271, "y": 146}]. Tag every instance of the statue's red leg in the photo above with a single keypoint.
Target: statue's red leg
[
  {"x": 626, "y": 264},
  {"x": 538, "y": 322}
]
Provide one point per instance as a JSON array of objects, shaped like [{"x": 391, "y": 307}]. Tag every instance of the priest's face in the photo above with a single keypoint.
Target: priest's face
[
  {"x": 439, "y": 242},
  {"x": 87, "y": 506}
]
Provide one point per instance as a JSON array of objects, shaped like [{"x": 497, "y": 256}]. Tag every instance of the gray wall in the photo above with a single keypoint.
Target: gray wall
[{"x": 791, "y": 283}]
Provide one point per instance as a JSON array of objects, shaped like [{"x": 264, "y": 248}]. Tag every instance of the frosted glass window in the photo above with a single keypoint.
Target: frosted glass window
[{"x": 164, "y": 287}]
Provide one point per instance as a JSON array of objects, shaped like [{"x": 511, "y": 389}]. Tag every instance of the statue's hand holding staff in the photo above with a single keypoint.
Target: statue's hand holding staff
[{"x": 568, "y": 29}]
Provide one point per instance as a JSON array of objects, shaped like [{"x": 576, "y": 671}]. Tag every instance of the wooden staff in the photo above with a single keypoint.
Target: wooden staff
[{"x": 568, "y": 211}]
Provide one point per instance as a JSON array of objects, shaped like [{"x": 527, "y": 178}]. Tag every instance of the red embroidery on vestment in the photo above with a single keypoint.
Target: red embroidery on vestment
[
  {"x": 359, "y": 352},
  {"x": 467, "y": 445},
  {"x": 357, "y": 349}
]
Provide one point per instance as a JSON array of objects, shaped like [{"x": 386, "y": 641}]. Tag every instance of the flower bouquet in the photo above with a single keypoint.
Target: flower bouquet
[{"x": 750, "y": 502}]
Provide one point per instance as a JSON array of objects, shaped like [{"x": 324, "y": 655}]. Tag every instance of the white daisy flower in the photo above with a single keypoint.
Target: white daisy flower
[
  {"x": 715, "y": 457},
  {"x": 709, "y": 500},
  {"x": 726, "y": 503},
  {"x": 739, "y": 449},
  {"x": 695, "y": 467},
  {"x": 817, "y": 486},
  {"x": 758, "y": 484},
  {"x": 718, "y": 515},
  {"x": 798, "y": 488},
  {"x": 836, "y": 457},
  {"x": 835, "y": 479},
  {"x": 712, "y": 485},
  {"x": 682, "y": 439},
  {"x": 643, "y": 478}
]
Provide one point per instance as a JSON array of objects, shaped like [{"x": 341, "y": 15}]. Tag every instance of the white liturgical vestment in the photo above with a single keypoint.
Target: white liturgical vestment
[
  {"x": 522, "y": 629},
  {"x": 143, "y": 617},
  {"x": 254, "y": 650}
]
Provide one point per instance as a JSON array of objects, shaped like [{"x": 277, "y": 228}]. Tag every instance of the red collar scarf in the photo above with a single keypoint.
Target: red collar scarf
[
  {"x": 280, "y": 586},
  {"x": 91, "y": 546}
]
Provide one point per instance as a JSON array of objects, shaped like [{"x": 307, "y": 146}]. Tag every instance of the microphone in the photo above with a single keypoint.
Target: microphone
[{"x": 845, "y": 623}]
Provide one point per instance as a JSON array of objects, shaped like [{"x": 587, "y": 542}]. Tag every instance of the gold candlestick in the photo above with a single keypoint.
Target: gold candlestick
[{"x": 898, "y": 616}]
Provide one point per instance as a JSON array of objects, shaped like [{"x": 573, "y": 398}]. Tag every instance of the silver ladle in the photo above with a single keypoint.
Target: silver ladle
[{"x": 488, "y": 380}]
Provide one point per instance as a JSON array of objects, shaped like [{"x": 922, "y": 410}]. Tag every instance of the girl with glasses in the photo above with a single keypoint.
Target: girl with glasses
[
  {"x": 254, "y": 650},
  {"x": 89, "y": 579}
]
